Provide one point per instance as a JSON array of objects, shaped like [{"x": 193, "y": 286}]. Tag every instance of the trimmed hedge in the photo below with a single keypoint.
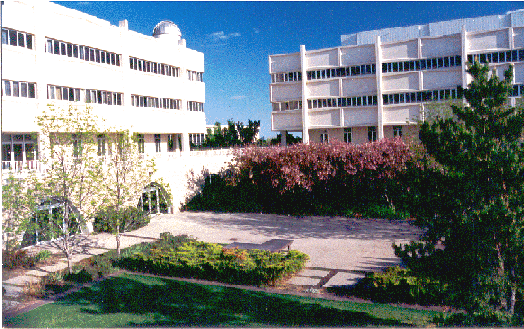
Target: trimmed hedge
[
  {"x": 132, "y": 218},
  {"x": 401, "y": 285},
  {"x": 212, "y": 261}
]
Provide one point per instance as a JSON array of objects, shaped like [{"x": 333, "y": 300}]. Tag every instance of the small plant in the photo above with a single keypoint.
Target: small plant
[
  {"x": 17, "y": 259},
  {"x": 35, "y": 288},
  {"x": 82, "y": 276},
  {"x": 42, "y": 255}
]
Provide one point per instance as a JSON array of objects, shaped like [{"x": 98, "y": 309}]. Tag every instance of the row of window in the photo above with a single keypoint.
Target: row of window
[
  {"x": 422, "y": 64},
  {"x": 17, "y": 38},
  {"x": 342, "y": 102},
  {"x": 156, "y": 102},
  {"x": 372, "y": 134},
  {"x": 341, "y": 72},
  {"x": 84, "y": 95},
  {"x": 19, "y": 89},
  {"x": 286, "y": 77},
  {"x": 195, "y": 76},
  {"x": 153, "y": 67},
  {"x": 516, "y": 55},
  {"x": 287, "y": 106},
  {"x": 420, "y": 96},
  {"x": 195, "y": 106},
  {"x": 82, "y": 52},
  {"x": 197, "y": 139},
  {"x": 507, "y": 56}
]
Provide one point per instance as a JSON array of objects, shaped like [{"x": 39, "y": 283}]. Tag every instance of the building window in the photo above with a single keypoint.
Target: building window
[
  {"x": 101, "y": 139},
  {"x": 195, "y": 76},
  {"x": 77, "y": 145},
  {"x": 372, "y": 134},
  {"x": 347, "y": 135},
  {"x": 195, "y": 106},
  {"x": 141, "y": 143},
  {"x": 397, "y": 131},
  {"x": 16, "y": 38},
  {"x": 153, "y": 67},
  {"x": 157, "y": 143},
  {"x": 20, "y": 148},
  {"x": 324, "y": 137},
  {"x": 19, "y": 89},
  {"x": 82, "y": 52}
]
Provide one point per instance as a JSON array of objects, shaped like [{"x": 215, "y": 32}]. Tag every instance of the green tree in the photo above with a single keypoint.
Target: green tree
[
  {"x": 126, "y": 173},
  {"x": 19, "y": 202},
  {"x": 470, "y": 198},
  {"x": 73, "y": 176}
]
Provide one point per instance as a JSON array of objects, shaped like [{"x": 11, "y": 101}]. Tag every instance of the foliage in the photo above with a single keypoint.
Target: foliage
[
  {"x": 235, "y": 134},
  {"x": 469, "y": 194},
  {"x": 290, "y": 139},
  {"x": 212, "y": 262},
  {"x": 401, "y": 285},
  {"x": 144, "y": 301},
  {"x": 73, "y": 175},
  {"x": 125, "y": 174},
  {"x": 332, "y": 179},
  {"x": 130, "y": 218},
  {"x": 43, "y": 255},
  {"x": 19, "y": 201},
  {"x": 18, "y": 258}
]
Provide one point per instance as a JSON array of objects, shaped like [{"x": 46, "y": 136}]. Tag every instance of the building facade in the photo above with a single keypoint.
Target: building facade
[
  {"x": 383, "y": 83},
  {"x": 150, "y": 85}
]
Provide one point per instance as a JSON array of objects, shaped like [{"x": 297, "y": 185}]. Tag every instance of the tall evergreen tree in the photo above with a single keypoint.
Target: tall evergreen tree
[{"x": 472, "y": 200}]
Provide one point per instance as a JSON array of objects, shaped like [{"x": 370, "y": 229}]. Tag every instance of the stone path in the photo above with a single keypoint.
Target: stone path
[{"x": 341, "y": 250}]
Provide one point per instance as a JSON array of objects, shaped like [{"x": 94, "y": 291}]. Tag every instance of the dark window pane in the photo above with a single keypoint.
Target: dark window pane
[
  {"x": 31, "y": 90},
  {"x": 29, "y": 39},
  {"x": 23, "y": 89},
  {"x": 12, "y": 38},
  {"x": 16, "y": 92},
  {"x": 7, "y": 88},
  {"x": 63, "y": 49},
  {"x": 69, "y": 50},
  {"x": 75, "y": 51}
]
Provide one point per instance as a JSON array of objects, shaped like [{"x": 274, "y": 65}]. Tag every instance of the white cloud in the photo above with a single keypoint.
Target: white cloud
[
  {"x": 220, "y": 35},
  {"x": 238, "y": 97},
  {"x": 256, "y": 30}
]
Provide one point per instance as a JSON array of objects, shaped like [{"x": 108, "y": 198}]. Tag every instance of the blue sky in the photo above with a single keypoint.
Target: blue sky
[{"x": 237, "y": 37}]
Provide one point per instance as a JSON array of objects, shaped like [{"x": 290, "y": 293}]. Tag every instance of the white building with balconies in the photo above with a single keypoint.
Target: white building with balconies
[
  {"x": 383, "y": 83},
  {"x": 150, "y": 85}
]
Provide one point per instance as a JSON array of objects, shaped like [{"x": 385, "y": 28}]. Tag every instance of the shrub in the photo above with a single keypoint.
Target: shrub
[
  {"x": 323, "y": 179},
  {"x": 401, "y": 285},
  {"x": 18, "y": 258},
  {"x": 132, "y": 218},
  {"x": 82, "y": 276},
  {"x": 185, "y": 257},
  {"x": 42, "y": 255}
]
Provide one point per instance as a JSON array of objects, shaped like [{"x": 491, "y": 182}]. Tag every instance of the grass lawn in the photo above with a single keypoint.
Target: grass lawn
[{"x": 133, "y": 300}]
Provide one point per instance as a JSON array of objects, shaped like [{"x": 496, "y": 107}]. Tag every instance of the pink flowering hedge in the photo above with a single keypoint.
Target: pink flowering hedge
[
  {"x": 304, "y": 166},
  {"x": 335, "y": 179}
]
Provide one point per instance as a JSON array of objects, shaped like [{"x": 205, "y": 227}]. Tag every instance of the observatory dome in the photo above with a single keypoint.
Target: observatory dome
[{"x": 167, "y": 28}]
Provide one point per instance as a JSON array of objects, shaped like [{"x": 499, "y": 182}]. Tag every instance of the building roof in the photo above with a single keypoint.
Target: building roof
[
  {"x": 167, "y": 27},
  {"x": 395, "y": 34}
]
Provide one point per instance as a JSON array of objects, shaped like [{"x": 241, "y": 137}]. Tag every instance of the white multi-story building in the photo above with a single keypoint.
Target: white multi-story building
[
  {"x": 151, "y": 85},
  {"x": 382, "y": 83}
]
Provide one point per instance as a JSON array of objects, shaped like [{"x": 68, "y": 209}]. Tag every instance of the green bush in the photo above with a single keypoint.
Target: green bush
[
  {"x": 185, "y": 257},
  {"x": 17, "y": 258},
  {"x": 42, "y": 255},
  {"x": 131, "y": 218},
  {"x": 401, "y": 285},
  {"x": 82, "y": 276}
]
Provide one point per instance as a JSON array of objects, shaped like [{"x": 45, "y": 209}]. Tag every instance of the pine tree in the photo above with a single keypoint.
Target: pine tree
[{"x": 472, "y": 200}]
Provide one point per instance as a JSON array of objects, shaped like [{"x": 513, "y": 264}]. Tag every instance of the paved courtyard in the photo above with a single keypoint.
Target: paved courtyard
[{"x": 340, "y": 249}]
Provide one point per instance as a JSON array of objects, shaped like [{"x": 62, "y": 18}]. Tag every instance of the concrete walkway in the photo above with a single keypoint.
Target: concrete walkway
[{"x": 341, "y": 250}]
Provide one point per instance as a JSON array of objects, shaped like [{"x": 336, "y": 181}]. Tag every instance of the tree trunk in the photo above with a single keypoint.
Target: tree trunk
[{"x": 118, "y": 243}]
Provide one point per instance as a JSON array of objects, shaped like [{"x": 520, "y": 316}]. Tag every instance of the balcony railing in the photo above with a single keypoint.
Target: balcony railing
[{"x": 21, "y": 165}]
